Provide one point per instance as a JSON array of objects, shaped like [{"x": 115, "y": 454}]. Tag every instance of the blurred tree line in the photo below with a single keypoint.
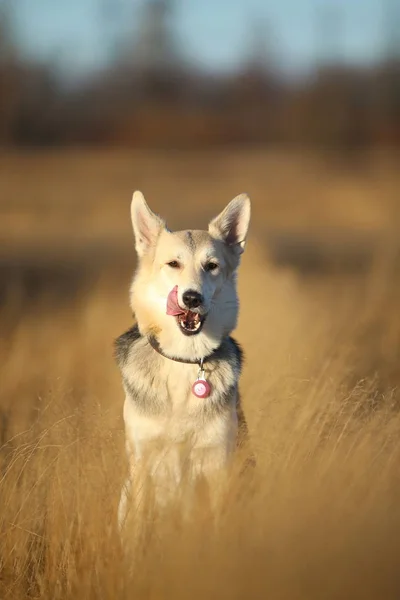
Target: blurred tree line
[{"x": 152, "y": 96}]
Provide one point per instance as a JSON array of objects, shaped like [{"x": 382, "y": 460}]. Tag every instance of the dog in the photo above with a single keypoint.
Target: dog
[{"x": 180, "y": 367}]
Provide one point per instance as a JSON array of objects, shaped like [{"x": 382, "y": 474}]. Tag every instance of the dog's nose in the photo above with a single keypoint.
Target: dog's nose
[{"x": 192, "y": 299}]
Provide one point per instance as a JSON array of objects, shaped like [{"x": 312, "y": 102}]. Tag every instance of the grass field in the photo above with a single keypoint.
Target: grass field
[{"x": 320, "y": 325}]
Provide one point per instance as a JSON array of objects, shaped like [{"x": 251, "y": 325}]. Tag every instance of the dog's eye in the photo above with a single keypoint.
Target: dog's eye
[
  {"x": 174, "y": 264},
  {"x": 211, "y": 266}
]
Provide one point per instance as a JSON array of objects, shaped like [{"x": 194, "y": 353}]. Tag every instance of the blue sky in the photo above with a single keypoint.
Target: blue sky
[{"x": 214, "y": 33}]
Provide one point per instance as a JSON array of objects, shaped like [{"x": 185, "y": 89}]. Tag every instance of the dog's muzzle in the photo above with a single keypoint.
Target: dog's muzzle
[{"x": 190, "y": 321}]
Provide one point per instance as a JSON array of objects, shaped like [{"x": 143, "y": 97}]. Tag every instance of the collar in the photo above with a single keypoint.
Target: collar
[{"x": 156, "y": 346}]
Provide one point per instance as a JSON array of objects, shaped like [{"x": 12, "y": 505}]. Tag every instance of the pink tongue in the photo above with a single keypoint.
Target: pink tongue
[{"x": 173, "y": 307}]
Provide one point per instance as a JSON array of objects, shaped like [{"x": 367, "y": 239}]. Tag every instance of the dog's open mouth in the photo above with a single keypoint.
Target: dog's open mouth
[{"x": 190, "y": 322}]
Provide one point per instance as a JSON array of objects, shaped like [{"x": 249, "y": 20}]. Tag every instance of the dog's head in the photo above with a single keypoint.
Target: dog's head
[{"x": 184, "y": 290}]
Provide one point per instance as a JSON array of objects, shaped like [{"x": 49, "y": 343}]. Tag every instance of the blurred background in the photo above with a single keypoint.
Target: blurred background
[
  {"x": 296, "y": 103},
  {"x": 174, "y": 73}
]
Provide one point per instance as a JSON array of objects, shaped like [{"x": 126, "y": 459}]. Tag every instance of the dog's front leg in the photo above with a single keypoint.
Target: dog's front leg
[
  {"x": 154, "y": 477},
  {"x": 210, "y": 465},
  {"x": 128, "y": 498}
]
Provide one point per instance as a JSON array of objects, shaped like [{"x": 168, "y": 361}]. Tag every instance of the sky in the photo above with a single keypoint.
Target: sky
[{"x": 216, "y": 34}]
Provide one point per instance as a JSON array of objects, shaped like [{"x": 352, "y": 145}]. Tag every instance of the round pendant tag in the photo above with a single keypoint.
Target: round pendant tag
[{"x": 201, "y": 388}]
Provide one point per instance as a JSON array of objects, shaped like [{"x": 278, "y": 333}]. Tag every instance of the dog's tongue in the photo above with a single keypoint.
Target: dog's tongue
[{"x": 173, "y": 307}]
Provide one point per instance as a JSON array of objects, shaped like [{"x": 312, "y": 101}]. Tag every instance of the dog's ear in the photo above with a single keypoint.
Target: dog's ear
[
  {"x": 232, "y": 224},
  {"x": 146, "y": 225}
]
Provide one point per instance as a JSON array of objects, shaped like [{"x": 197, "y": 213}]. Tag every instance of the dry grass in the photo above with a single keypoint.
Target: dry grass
[{"x": 321, "y": 517}]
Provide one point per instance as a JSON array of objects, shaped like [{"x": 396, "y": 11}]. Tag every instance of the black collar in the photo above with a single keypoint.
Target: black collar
[{"x": 154, "y": 343}]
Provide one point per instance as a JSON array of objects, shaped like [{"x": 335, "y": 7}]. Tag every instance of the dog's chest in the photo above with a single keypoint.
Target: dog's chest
[
  {"x": 160, "y": 386},
  {"x": 179, "y": 379},
  {"x": 178, "y": 414},
  {"x": 160, "y": 404}
]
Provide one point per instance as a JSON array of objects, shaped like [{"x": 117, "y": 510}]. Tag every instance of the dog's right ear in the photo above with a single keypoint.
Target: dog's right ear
[{"x": 146, "y": 225}]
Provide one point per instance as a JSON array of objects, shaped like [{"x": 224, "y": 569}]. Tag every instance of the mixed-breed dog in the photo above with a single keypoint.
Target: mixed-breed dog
[{"x": 180, "y": 366}]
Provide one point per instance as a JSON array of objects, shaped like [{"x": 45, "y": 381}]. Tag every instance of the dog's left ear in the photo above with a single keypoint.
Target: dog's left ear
[{"x": 232, "y": 224}]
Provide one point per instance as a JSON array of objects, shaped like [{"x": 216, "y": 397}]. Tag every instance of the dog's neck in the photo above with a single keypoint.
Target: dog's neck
[{"x": 156, "y": 346}]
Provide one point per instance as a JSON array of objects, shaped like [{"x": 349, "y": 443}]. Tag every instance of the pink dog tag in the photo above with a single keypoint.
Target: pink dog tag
[{"x": 201, "y": 388}]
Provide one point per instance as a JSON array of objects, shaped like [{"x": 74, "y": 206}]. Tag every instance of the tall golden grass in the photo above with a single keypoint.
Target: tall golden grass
[{"x": 320, "y": 516}]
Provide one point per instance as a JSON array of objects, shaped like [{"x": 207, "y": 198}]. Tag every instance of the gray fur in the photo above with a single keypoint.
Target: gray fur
[
  {"x": 123, "y": 343},
  {"x": 190, "y": 241}
]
